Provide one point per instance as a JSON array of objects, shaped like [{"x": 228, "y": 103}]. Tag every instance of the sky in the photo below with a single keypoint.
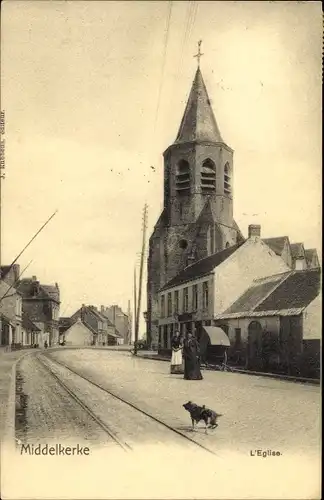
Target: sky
[{"x": 94, "y": 92}]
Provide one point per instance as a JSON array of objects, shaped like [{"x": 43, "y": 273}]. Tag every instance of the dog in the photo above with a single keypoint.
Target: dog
[{"x": 198, "y": 413}]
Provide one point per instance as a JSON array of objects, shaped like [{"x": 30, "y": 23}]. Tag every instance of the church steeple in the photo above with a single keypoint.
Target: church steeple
[{"x": 198, "y": 123}]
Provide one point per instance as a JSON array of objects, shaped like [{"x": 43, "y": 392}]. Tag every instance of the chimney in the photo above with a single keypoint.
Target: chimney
[
  {"x": 254, "y": 231},
  {"x": 35, "y": 286},
  {"x": 102, "y": 309},
  {"x": 34, "y": 278}
]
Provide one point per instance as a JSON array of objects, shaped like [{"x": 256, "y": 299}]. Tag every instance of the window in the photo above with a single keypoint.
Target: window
[
  {"x": 195, "y": 297},
  {"x": 227, "y": 179},
  {"x": 238, "y": 336},
  {"x": 183, "y": 177},
  {"x": 185, "y": 299},
  {"x": 169, "y": 304},
  {"x": 176, "y": 302},
  {"x": 205, "y": 295},
  {"x": 208, "y": 176},
  {"x": 227, "y": 245},
  {"x": 162, "y": 306}
]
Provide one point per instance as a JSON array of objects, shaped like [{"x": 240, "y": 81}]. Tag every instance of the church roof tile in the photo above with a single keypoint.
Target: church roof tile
[{"x": 198, "y": 122}]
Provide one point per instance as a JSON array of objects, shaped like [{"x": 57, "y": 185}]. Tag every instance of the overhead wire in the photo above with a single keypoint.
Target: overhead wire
[{"x": 166, "y": 42}]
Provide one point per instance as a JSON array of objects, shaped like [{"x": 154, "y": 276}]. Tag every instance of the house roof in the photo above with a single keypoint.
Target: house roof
[
  {"x": 297, "y": 250},
  {"x": 8, "y": 320},
  {"x": 28, "y": 325},
  {"x": 255, "y": 294},
  {"x": 298, "y": 290},
  {"x": 46, "y": 292},
  {"x": 201, "y": 267},
  {"x": 198, "y": 122},
  {"x": 65, "y": 323},
  {"x": 283, "y": 294},
  {"x": 276, "y": 244},
  {"x": 310, "y": 253}
]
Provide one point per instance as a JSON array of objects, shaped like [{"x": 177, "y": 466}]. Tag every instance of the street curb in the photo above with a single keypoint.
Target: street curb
[{"x": 287, "y": 378}]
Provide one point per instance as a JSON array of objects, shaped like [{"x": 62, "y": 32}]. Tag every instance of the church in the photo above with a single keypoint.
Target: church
[{"x": 197, "y": 233}]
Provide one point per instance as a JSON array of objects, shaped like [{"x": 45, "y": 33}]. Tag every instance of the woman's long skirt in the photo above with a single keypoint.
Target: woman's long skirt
[
  {"x": 192, "y": 368},
  {"x": 176, "y": 362}
]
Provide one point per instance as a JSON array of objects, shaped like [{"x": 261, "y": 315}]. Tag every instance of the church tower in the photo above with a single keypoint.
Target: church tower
[
  {"x": 198, "y": 166},
  {"x": 197, "y": 217}
]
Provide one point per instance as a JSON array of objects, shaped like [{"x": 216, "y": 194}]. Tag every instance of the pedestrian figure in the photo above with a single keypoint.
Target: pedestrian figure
[
  {"x": 45, "y": 344},
  {"x": 191, "y": 358},
  {"x": 176, "y": 358}
]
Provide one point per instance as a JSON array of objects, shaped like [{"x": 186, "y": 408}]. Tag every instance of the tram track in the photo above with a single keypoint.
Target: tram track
[
  {"x": 119, "y": 398},
  {"x": 125, "y": 446}
]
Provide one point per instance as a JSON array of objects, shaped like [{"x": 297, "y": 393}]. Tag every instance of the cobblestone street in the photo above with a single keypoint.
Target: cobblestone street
[{"x": 258, "y": 414}]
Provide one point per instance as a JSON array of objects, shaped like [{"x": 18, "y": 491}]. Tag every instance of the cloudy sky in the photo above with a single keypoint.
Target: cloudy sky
[{"x": 94, "y": 93}]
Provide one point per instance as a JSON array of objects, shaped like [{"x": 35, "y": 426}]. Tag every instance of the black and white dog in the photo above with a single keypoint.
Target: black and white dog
[{"x": 198, "y": 413}]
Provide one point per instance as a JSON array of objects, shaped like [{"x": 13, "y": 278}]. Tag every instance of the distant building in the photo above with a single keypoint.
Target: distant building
[
  {"x": 30, "y": 332},
  {"x": 104, "y": 332},
  {"x": 42, "y": 305},
  {"x": 121, "y": 321},
  {"x": 79, "y": 334},
  {"x": 294, "y": 254}
]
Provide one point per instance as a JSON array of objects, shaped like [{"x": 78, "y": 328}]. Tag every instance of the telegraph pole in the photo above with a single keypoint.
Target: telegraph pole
[
  {"x": 129, "y": 316},
  {"x": 135, "y": 301},
  {"x": 2, "y": 175},
  {"x": 138, "y": 310}
]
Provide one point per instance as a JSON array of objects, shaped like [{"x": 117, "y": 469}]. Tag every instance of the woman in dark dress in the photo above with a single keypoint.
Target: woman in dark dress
[{"x": 191, "y": 358}]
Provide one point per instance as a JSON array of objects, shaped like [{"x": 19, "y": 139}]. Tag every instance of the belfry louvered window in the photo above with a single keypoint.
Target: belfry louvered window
[
  {"x": 183, "y": 177},
  {"x": 208, "y": 176},
  {"x": 227, "y": 179}
]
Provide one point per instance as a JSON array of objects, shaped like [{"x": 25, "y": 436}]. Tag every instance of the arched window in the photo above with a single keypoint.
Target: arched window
[
  {"x": 208, "y": 176},
  {"x": 227, "y": 179},
  {"x": 183, "y": 177},
  {"x": 227, "y": 245}
]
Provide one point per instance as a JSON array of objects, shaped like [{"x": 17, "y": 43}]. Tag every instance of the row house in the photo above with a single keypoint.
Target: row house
[
  {"x": 41, "y": 303},
  {"x": 100, "y": 329},
  {"x": 294, "y": 254},
  {"x": 10, "y": 316},
  {"x": 16, "y": 328},
  {"x": 208, "y": 287},
  {"x": 120, "y": 320}
]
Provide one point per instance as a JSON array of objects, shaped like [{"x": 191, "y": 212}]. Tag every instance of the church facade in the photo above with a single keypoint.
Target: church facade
[{"x": 197, "y": 217}]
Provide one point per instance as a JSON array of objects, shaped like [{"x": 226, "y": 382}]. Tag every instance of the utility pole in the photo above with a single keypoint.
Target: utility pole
[
  {"x": 135, "y": 302},
  {"x": 2, "y": 176},
  {"x": 138, "y": 311},
  {"x": 129, "y": 317}
]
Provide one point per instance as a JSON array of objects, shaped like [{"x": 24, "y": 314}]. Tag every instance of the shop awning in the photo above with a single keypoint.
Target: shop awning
[{"x": 217, "y": 336}]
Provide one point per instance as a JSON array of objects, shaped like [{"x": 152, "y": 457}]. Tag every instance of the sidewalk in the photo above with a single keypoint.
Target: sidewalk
[
  {"x": 158, "y": 357},
  {"x": 8, "y": 362}
]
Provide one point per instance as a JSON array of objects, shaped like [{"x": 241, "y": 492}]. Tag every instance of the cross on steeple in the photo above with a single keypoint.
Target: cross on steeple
[{"x": 199, "y": 54}]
